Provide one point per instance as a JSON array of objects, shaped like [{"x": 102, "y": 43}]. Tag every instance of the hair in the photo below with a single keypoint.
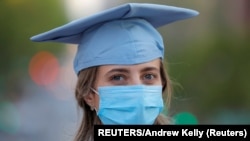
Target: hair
[{"x": 86, "y": 80}]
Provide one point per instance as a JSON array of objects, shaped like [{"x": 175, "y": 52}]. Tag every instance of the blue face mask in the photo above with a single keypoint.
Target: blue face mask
[{"x": 137, "y": 104}]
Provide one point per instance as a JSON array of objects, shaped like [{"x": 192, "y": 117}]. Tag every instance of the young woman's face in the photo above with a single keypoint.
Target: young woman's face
[{"x": 140, "y": 74}]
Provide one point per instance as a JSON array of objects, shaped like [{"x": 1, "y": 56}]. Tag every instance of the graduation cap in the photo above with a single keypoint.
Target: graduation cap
[{"x": 122, "y": 35}]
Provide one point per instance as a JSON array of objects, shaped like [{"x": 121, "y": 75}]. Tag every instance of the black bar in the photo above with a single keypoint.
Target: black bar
[{"x": 164, "y": 132}]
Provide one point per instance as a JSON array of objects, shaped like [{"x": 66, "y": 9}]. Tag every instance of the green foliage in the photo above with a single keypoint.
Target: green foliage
[
  {"x": 19, "y": 21},
  {"x": 214, "y": 74}
]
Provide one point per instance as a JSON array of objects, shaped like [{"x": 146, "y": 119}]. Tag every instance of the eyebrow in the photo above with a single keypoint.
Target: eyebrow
[
  {"x": 150, "y": 69},
  {"x": 124, "y": 70}
]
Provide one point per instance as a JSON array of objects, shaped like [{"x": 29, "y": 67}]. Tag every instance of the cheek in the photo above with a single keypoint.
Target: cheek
[
  {"x": 96, "y": 101},
  {"x": 160, "y": 82}
]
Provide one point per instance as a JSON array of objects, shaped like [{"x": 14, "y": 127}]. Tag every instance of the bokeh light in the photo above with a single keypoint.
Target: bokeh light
[
  {"x": 185, "y": 118},
  {"x": 44, "y": 68},
  {"x": 9, "y": 118}
]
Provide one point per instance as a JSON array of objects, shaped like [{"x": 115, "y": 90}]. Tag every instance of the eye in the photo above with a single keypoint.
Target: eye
[
  {"x": 117, "y": 78},
  {"x": 149, "y": 76}
]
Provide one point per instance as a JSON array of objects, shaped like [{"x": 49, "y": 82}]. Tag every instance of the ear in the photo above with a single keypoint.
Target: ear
[{"x": 90, "y": 99}]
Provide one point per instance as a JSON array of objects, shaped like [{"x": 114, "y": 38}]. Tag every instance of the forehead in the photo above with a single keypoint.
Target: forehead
[{"x": 151, "y": 64}]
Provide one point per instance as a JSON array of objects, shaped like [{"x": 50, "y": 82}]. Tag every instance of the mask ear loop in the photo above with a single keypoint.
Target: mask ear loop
[
  {"x": 94, "y": 90},
  {"x": 92, "y": 108}
]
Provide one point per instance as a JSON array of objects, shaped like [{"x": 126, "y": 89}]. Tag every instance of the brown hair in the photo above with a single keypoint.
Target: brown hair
[{"x": 86, "y": 80}]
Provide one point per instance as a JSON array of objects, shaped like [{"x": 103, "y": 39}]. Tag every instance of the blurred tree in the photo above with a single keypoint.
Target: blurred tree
[
  {"x": 19, "y": 21},
  {"x": 215, "y": 67}
]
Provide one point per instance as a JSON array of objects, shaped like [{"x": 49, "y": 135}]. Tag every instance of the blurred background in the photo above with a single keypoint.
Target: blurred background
[{"x": 208, "y": 60}]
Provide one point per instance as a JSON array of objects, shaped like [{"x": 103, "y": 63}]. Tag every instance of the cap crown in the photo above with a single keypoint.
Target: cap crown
[{"x": 126, "y": 34}]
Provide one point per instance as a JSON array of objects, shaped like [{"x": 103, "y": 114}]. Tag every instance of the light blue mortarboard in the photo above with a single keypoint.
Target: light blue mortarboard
[{"x": 123, "y": 35}]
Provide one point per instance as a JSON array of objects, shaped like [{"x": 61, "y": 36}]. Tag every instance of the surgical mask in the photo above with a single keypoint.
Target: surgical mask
[{"x": 137, "y": 104}]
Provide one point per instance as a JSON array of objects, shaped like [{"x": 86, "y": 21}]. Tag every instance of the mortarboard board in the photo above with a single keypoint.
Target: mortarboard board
[{"x": 122, "y": 35}]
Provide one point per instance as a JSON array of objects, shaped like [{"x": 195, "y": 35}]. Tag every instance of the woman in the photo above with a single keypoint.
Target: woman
[{"x": 120, "y": 64}]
